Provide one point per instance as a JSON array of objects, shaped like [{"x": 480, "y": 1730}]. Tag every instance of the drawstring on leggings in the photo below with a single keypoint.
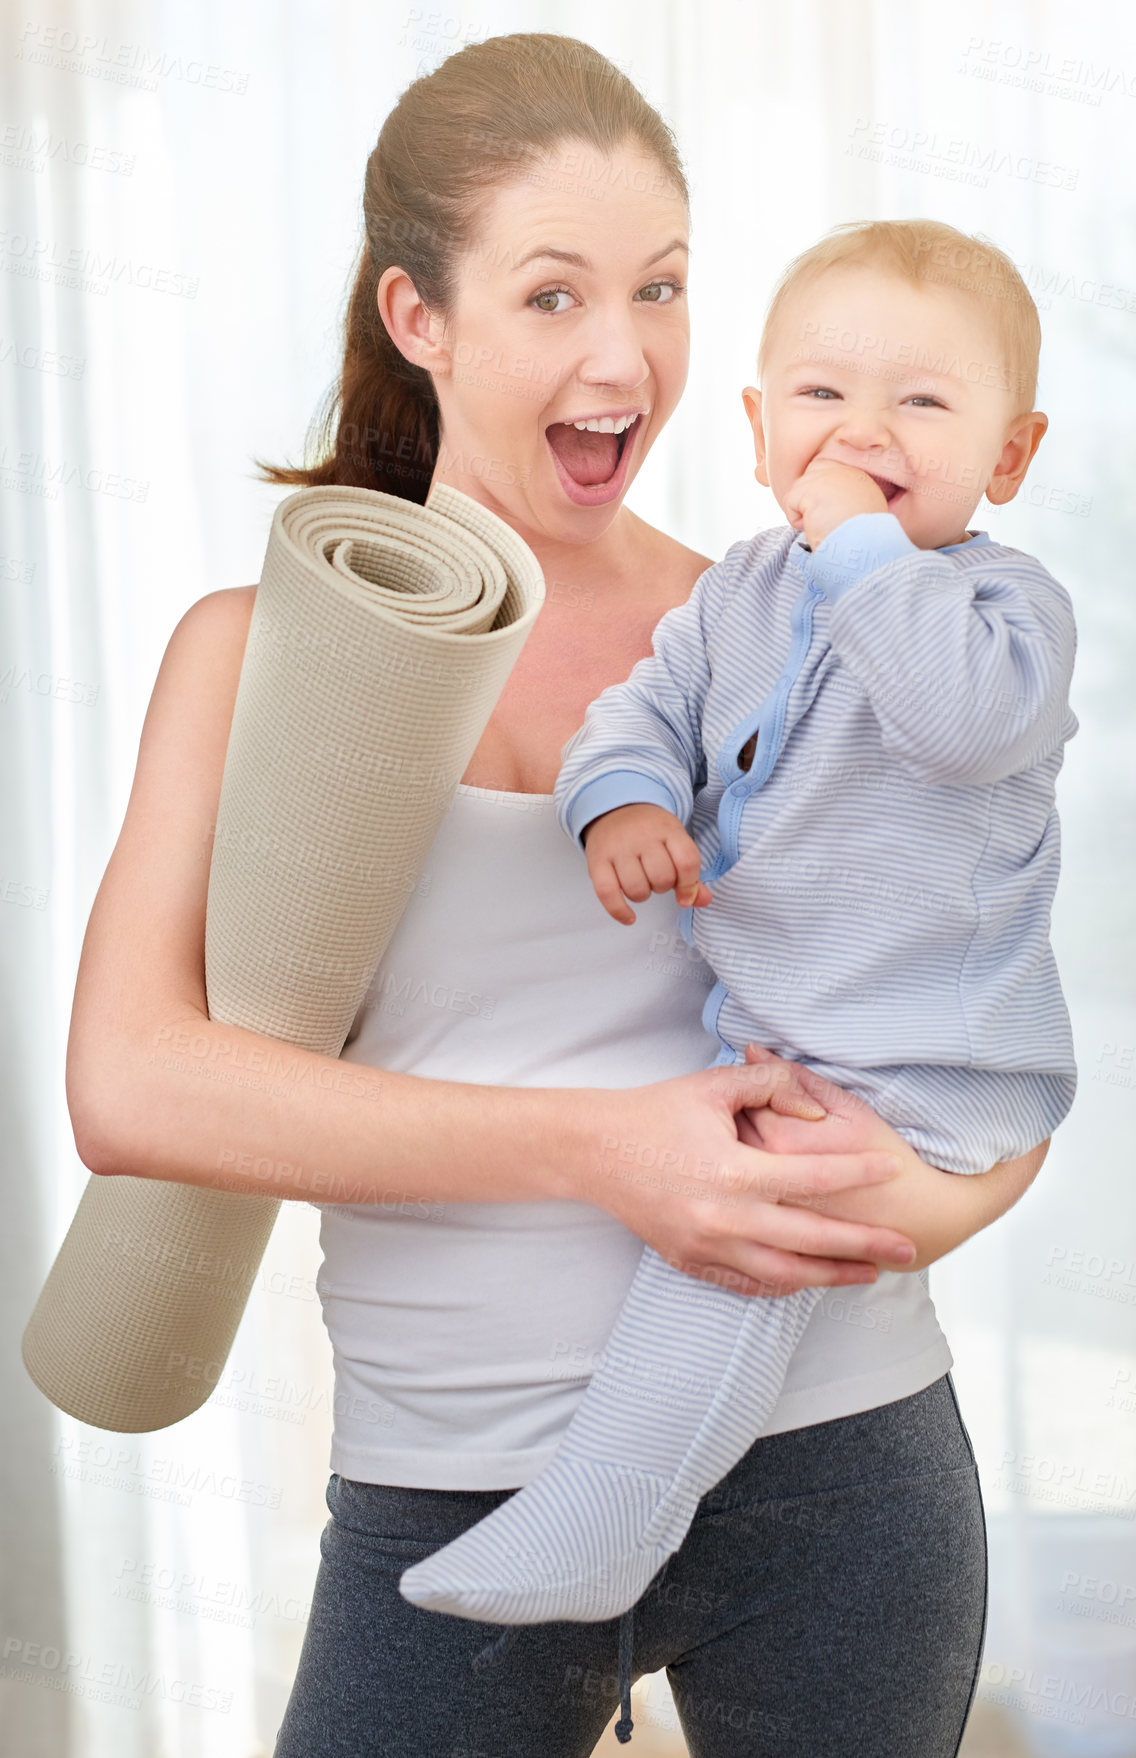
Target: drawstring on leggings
[
  {"x": 493, "y": 1651},
  {"x": 624, "y": 1725}
]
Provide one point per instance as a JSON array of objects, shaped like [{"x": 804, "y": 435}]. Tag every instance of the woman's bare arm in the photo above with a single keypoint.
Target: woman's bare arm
[
  {"x": 938, "y": 1210},
  {"x": 156, "y": 1089}
]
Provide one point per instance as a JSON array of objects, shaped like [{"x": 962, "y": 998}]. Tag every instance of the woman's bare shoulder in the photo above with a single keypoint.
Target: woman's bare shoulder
[
  {"x": 691, "y": 561},
  {"x": 210, "y": 637},
  {"x": 672, "y": 561},
  {"x": 227, "y": 604},
  {"x": 143, "y": 956}
]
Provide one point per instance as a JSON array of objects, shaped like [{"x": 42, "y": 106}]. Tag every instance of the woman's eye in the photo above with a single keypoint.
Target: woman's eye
[
  {"x": 545, "y": 300},
  {"x": 549, "y": 293},
  {"x": 656, "y": 287}
]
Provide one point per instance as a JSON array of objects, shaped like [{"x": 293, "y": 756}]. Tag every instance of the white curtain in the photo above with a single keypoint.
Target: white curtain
[{"x": 180, "y": 213}]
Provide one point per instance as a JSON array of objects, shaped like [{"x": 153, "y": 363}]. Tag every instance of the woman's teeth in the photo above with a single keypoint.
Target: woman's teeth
[
  {"x": 582, "y": 446},
  {"x": 603, "y": 424}
]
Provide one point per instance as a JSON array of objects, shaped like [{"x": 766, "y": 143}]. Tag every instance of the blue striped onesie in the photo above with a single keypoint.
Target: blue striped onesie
[
  {"x": 882, "y": 874},
  {"x": 883, "y": 871}
]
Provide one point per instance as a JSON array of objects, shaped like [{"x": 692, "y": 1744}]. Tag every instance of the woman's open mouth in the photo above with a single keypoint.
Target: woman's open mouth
[{"x": 592, "y": 467}]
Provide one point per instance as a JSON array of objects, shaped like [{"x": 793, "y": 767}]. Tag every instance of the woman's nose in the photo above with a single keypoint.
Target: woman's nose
[{"x": 612, "y": 352}]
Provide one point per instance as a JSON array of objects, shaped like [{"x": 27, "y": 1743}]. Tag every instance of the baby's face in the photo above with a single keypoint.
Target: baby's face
[{"x": 906, "y": 382}]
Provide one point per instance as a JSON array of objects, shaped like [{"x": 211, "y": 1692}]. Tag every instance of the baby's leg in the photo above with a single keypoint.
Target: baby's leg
[{"x": 687, "y": 1382}]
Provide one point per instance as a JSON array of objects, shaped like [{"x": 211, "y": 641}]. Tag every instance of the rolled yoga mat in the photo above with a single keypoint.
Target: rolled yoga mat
[{"x": 381, "y": 637}]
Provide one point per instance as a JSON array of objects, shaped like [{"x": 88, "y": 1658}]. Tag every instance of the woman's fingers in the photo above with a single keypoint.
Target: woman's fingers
[
  {"x": 805, "y": 1080},
  {"x": 674, "y": 1166},
  {"x": 765, "y": 1079},
  {"x": 808, "y": 1234},
  {"x": 772, "y": 1274},
  {"x": 791, "y": 1100},
  {"x": 797, "y": 1178}
]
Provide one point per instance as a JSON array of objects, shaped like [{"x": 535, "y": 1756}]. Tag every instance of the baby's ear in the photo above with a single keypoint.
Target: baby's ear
[{"x": 1021, "y": 442}]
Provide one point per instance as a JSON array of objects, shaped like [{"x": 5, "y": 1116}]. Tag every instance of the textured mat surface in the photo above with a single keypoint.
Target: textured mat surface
[{"x": 381, "y": 637}]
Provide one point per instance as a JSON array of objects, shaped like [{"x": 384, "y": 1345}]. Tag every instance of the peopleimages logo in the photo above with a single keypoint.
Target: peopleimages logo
[
  {"x": 24, "y": 147},
  {"x": 85, "y": 268},
  {"x": 204, "y": 1595},
  {"x": 36, "y": 359},
  {"x": 1045, "y": 71},
  {"x": 68, "y": 1669},
  {"x": 128, "y": 1468},
  {"x": 952, "y": 157},
  {"x": 101, "y": 57}
]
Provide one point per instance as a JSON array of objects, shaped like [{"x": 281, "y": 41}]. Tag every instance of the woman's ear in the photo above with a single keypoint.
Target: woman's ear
[
  {"x": 413, "y": 328},
  {"x": 751, "y": 397}
]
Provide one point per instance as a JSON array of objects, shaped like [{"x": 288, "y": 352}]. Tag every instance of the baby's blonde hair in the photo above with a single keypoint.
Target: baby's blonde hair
[{"x": 929, "y": 251}]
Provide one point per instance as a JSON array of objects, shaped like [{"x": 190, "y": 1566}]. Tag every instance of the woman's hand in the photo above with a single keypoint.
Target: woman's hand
[
  {"x": 844, "y": 1123},
  {"x": 670, "y": 1164},
  {"x": 939, "y": 1210}
]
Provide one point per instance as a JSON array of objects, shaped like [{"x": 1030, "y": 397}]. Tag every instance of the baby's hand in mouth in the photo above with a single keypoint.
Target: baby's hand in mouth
[{"x": 828, "y": 492}]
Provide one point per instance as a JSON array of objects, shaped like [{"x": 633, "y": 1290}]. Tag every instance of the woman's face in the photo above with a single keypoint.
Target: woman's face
[{"x": 570, "y": 306}]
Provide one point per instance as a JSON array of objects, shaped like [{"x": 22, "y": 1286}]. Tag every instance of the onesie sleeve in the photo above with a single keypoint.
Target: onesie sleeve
[
  {"x": 641, "y": 739},
  {"x": 967, "y": 668}
]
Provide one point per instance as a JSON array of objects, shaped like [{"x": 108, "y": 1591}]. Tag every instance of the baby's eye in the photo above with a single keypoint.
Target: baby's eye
[
  {"x": 930, "y": 402},
  {"x": 821, "y": 391}
]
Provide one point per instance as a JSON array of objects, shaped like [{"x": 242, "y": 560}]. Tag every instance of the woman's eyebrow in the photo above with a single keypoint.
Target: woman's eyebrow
[{"x": 581, "y": 262}]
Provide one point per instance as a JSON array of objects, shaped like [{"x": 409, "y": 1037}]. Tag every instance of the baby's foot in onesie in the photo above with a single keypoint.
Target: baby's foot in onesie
[{"x": 687, "y": 1382}]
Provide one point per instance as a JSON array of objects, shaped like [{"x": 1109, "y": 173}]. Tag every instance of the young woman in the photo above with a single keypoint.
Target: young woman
[{"x": 523, "y": 275}]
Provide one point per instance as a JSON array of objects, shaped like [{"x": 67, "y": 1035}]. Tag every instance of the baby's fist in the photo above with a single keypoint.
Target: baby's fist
[
  {"x": 826, "y": 494},
  {"x": 637, "y": 849}
]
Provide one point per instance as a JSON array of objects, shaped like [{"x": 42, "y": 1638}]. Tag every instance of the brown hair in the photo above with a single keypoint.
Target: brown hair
[
  {"x": 930, "y": 251},
  {"x": 477, "y": 121}
]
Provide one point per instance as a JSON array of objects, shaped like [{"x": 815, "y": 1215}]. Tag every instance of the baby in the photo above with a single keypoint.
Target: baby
[{"x": 841, "y": 755}]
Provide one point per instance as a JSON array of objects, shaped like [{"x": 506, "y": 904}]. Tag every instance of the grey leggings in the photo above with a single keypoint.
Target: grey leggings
[{"x": 829, "y": 1597}]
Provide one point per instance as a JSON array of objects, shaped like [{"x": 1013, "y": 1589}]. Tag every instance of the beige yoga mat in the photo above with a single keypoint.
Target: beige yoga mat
[{"x": 381, "y": 637}]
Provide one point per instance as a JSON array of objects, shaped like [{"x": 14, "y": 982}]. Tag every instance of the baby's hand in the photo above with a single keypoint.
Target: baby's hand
[
  {"x": 635, "y": 850},
  {"x": 826, "y": 494}
]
